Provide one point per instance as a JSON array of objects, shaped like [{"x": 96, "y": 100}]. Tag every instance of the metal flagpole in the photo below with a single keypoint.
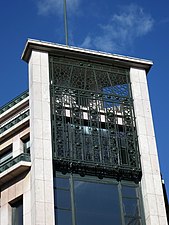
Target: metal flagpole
[{"x": 65, "y": 19}]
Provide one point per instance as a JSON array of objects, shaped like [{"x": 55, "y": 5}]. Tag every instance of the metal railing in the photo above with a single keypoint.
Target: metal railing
[
  {"x": 22, "y": 157},
  {"x": 14, "y": 101},
  {"x": 14, "y": 121}
]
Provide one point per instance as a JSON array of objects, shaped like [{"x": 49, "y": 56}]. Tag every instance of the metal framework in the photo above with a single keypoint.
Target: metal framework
[
  {"x": 129, "y": 197},
  {"x": 93, "y": 123}
]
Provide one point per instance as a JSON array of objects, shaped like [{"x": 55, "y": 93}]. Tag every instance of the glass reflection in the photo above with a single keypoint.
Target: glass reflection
[
  {"x": 64, "y": 217},
  {"x": 132, "y": 221},
  {"x": 130, "y": 207},
  {"x": 61, "y": 183},
  {"x": 17, "y": 213},
  {"x": 62, "y": 199},
  {"x": 129, "y": 191},
  {"x": 96, "y": 204}
]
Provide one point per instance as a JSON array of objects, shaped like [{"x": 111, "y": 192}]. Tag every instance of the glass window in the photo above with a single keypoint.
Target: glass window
[
  {"x": 132, "y": 221},
  {"x": 64, "y": 217},
  {"x": 61, "y": 183},
  {"x": 91, "y": 201},
  {"x": 129, "y": 191},
  {"x": 62, "y": 199},
  {"x": 6, "y": 154},
  {"x": 130, "y": 207},
  {"x": 17, "y": 213},
  {"x": 96, "y": 203}
]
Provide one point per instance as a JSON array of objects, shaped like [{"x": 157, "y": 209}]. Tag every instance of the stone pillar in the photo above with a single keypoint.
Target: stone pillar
[
  {"x": 42, "y": 200},
  {"x": 151, "y": 180}
]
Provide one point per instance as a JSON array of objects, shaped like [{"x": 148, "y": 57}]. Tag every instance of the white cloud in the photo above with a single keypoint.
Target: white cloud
[
  {"x": 87, "y": 43},
  {"x": 121, "y": 31},
  {"x": 46, "y": 7}
]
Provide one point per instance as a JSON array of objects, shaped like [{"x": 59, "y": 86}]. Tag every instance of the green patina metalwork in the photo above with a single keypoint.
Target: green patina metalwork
[
  {"x": 22, "y": 157},
  {"x": 93, "y": 122}
]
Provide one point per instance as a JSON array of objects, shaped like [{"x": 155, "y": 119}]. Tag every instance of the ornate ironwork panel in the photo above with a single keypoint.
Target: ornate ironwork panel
[{"x": 93, "y": 123}]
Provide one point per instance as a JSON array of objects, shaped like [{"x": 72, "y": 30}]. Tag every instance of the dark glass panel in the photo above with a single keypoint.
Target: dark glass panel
[
  {"x": 63, "y": 217},
  {"x": 61, "y": 182},
  {"x": 129, "y": 191},
  {"x": 132, "y": 221},
  {"x": 17, "y": 213},
  {"x": 62, "y": 199},
  {"x": 7, "y": 155},
  {"x": 96, "y": 204},
  {"x": 130, "y": 207}
]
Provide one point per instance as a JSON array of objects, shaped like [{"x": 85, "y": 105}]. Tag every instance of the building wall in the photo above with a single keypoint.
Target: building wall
[
  {"x": 153, "y": 199},
  {"x": 42, "y": 199},
  {"x": 14, "y": 189},
  {"x": 36, "y": 187},
  {"x": 18, "y": 189}
]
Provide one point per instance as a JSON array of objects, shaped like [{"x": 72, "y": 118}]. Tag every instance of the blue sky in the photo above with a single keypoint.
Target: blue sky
[{"x": 135, "y": 28}]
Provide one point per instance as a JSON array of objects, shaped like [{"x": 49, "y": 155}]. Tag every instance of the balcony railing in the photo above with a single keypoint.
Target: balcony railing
[
  {"x": 14, "y": 121},
  {"x": 14, "y": 101},
  {"x": 22, "y": 157}
]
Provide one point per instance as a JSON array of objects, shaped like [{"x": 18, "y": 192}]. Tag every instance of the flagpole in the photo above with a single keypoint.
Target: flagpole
[{"x": 65, "y": 19}]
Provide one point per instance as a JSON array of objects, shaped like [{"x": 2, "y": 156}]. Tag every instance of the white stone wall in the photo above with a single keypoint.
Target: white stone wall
[
  {"x": 8, "y": 194},
  {"x": 151, "y": 180},
  {"x": 17, "y": 143},
  {"x": 42, "y": 200}
]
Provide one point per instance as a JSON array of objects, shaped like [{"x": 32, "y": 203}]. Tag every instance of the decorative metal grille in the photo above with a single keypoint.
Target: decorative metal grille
[{"x": 93, "y": 120}]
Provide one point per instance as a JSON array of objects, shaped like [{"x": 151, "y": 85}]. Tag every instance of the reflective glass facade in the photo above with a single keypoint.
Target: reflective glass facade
[{"x": 89, "y": 200}]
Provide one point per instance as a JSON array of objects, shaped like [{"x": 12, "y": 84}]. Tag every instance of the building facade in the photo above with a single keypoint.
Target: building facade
[{"x": 79, "y": 147}]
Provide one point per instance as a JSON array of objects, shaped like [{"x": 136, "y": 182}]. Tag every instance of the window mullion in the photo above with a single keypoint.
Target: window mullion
[
  {"x": 72, "y": 200},
  {"x": 121, "y": 203}
]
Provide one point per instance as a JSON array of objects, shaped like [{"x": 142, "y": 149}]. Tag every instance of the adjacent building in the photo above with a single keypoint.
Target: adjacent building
[{"x": 79, "y": 147}]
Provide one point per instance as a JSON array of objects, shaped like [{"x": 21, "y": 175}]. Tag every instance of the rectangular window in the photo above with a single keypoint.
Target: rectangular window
[
  {"x": 97, "y": 202},
  {"x": 81, "y": 201},
  {"x": 17, "y": 212}
]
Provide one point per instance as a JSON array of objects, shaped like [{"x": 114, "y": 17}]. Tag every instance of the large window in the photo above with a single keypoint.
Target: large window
[
  {"x": 17, "y": 212},
  {"x": 91, "y": 201}
]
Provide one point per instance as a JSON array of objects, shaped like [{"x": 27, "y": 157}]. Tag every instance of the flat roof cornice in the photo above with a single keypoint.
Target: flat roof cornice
[{"x": 53, "y": 48}]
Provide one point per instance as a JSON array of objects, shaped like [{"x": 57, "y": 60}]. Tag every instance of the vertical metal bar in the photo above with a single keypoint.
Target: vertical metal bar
[
  {"x": 121, "y": 202},
  {"x": 72, "y": 200},
  {"x": 65, "y": 20}
]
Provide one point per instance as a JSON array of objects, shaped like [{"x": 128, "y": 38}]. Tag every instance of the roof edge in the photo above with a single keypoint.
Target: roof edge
[{"x": 50, "y": 47}]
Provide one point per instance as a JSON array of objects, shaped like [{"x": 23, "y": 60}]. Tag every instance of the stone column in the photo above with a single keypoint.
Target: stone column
[
  {"x": 151, "y": 184},
  {"x": 42, "y": 200}
]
